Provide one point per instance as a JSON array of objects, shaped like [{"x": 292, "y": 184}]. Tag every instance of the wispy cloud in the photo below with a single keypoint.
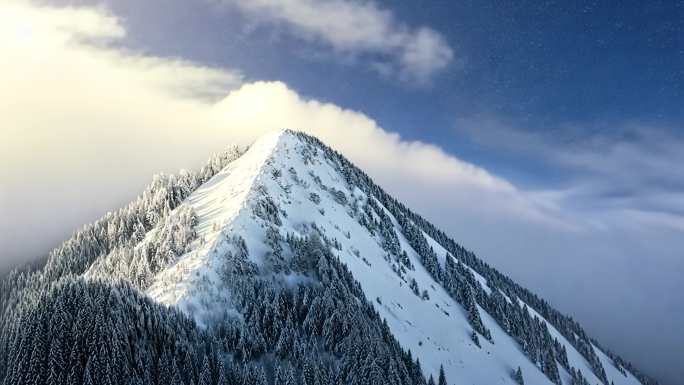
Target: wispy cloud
[
  {"x": 626, "y": 176},
  {"x": 359, "y": 28}
]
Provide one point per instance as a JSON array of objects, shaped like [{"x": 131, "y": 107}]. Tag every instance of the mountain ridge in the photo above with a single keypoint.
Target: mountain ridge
[{"x": 440, "y": 302}]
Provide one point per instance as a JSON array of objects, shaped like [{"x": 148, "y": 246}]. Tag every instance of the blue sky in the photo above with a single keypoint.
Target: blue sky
[
  {"x": 563, "y": 70},
  {"x": 546, "y": 136}
]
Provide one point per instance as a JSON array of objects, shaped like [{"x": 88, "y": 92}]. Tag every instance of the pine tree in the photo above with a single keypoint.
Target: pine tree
[
  {"x": 286, "y": 340},
  {"x": 88, "y": 375},
  {"x": 474, "y": 315},
  {"x": 205, "y": 375},
  {"x": 39, "y": 349},
  {"x": 188, "y": 367},
  {"x": 442, "y": 377},
  {"x": 165, "y": 369},
  {"x": 285, "y": 375},
  {"x": 176, "y": 378},
  {"x": 518, "y": 377},
  {"x": 222, "y": 377},
  {"x": 309, "y": 373},
  {"x": 75, "y": 374},
  {"x": 549, "y": 366},
  {"x": 56, "y": 363},
  {"x": 475, "y": 338},
  {"x": 147, "y": 375}
]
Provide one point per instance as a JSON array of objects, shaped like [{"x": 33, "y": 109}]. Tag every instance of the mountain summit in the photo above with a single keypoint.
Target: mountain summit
[{"x": 282, "y": 264}]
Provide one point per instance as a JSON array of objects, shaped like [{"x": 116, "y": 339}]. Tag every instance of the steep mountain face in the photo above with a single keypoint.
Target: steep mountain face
[{"x": 283, "y": 263}]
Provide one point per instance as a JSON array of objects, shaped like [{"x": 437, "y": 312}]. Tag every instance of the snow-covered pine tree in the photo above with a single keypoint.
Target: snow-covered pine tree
[{"x": 518, "y": 377}]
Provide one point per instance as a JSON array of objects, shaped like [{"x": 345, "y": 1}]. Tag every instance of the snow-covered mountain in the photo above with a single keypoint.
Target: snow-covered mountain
[{"x": 189, "y": 242}]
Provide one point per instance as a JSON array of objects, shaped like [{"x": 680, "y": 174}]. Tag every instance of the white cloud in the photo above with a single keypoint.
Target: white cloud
[
  {"x": 358, "y": 27},
  {"x": 85, "y": 124},
  {"x": 626, "y": 177}
]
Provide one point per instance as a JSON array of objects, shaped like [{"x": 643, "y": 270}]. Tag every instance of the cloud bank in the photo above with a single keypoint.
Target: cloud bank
[
  {"x": 359, "y": 28},
  {"x": 629, "y": 178},
  {"x": 85, "y": 123}
]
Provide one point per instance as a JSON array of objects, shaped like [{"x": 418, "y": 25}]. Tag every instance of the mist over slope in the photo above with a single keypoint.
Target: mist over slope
[{"x": 282, "y": 263}]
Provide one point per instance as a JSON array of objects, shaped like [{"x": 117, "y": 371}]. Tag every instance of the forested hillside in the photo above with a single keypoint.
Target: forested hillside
[{"x": 282, "y": 264}]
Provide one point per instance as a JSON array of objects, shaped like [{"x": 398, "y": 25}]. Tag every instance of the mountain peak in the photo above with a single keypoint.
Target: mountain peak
[
  {"x": 290, "y": 237},
  {"x": 290, "y": 185},
  {"x": 224, "y": 205}
]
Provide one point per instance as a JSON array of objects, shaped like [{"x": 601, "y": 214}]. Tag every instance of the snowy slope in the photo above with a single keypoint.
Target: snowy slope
[
  {"x": 580, "y": 363},
  {"x": 309, "y": 190}
]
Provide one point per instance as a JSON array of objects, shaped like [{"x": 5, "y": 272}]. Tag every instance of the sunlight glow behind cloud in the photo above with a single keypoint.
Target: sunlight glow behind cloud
[{"x": 76, "y": 108}]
